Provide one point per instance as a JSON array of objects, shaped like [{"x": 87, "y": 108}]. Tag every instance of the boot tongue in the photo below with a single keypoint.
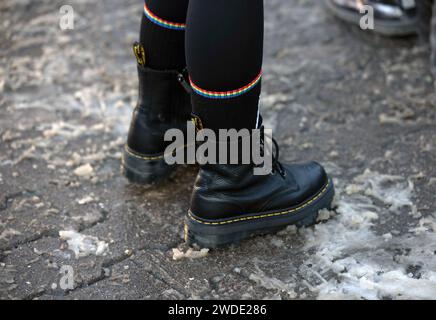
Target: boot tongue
[
  {"x": 259, "y": 121},
  {"x": 276, "y": 153},
  {"x": 198, "y": 124},
  {"x": 138, "y": 50}
]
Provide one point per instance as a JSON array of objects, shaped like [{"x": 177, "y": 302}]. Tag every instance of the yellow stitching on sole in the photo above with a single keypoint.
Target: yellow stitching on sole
[
  {"x": 142, "y": 157},
  {"x": 190, "y": 214},
  {"x": 147, "y": 157}
]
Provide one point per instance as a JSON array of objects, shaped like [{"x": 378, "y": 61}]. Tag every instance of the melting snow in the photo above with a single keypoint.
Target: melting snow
[
  {"x": 83, "y": 245},
  {"x": 84, "y": 171},
  {"x": 272, "y": 283},
  {"x": 189, "y": 254},
  {"x": 365, "y": 265},
  {"x": 85, "y": 200},
  {"x": 394, "y": 191}
]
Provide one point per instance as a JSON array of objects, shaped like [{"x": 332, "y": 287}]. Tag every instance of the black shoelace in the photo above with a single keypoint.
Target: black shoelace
[{"x": 276, "y": 165}]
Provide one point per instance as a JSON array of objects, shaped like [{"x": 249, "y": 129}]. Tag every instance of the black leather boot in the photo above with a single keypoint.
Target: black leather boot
[
  {"x": 163, "y": 103},
  {"x": 229, "y": 203},
  {"x": 391, "y": 17}
]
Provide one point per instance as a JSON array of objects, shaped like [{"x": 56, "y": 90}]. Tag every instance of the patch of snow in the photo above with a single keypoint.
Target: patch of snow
[
  {"x": 324, "y": 215},
  {"x": 90, "y": 158},
  {"x": 83, "y": 245},
  {"x": 279, "y": 243},
  {"x": 387, "y": 236},
  {"x": 189, "y": 254},
  {"x": 290, "y": 230},
  {"x": 390, "y": 189},
  {"x": 84, "y": 171},
  {"x": 270, "y": 283},
  {"x": 352, "y": 189},
  {"x": 64, "y": 129},
  {"x": 85, "y": 200},
  {"x": 353, "y": 262},
  {"x": 425, "y": 225}
]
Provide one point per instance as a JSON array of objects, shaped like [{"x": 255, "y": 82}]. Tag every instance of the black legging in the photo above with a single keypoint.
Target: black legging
[{"x": 224, "y": 45}]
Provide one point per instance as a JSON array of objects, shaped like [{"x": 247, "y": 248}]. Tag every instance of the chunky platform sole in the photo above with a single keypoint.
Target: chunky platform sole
[
  {"x": 144, "y": 169},
  {"x": 401, "y": 28},
  {"x": 216, "y": 233}
]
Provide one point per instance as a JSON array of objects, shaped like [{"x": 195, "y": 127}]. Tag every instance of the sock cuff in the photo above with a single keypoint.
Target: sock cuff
[
  {"x": 162, "y": 22},
  {"x": 238, "y": 113},
  {"x": 226, "y": 94}
]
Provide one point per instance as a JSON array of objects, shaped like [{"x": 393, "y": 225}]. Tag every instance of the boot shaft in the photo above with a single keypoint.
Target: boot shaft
[
  {"x": 163, "y": 104},
  {"x": 163, "y": 94}
]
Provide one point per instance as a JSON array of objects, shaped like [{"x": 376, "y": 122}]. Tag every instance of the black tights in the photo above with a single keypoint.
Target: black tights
[{"x": 223, "y": 43}]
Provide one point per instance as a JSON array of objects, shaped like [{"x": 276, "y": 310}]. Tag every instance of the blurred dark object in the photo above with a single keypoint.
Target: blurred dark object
[
  {"x": 427, "y": 27},
  {"x": 392, "y": 18}
]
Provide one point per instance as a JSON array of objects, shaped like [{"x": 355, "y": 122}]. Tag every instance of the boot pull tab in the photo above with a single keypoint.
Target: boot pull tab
[
  {"x": 182, "y": 79},
  {"x": 198, "y": 124},
  {"x": 138, "y": 50}
]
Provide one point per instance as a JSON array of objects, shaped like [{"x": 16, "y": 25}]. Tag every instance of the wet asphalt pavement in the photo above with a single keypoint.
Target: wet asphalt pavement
[{"x": 357, "y": 103}]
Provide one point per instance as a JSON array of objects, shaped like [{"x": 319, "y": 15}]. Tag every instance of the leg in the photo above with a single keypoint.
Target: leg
[
  {"x": 230, "y": 203},
  {"x": 163, "y": 33},
  {"x": 224, "y": 43},
  {"x": 163, "y": 103}
]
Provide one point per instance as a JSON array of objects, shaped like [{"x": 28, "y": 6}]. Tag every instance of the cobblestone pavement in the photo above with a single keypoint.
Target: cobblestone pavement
[{"x": 362, "y": 105}]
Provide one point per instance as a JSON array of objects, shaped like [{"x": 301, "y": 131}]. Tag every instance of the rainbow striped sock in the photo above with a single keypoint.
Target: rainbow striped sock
[
  {"x": 225, "y": 94},
  {"x": 161, "y": 22}
]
